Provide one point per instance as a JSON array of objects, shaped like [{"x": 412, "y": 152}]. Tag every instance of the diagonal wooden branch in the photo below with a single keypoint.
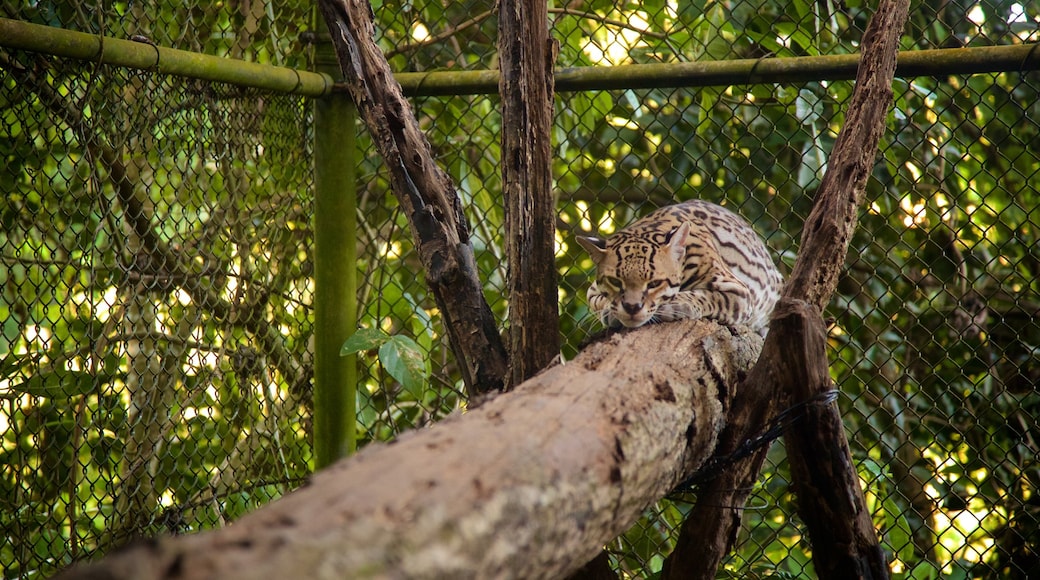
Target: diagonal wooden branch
[
  {"x": 425, "y": 193},
  {"x": 830, "y": 501},
  {"x": 848, "y": 548},
  {"x": 833, "y": 219}
]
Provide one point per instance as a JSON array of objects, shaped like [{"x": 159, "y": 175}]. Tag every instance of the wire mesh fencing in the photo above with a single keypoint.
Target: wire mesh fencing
[
  {"x": 154, "y": 251},
  {"x": 155, "y": 263}
]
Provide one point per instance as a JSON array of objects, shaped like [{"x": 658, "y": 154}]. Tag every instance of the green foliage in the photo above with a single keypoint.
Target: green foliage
[
  {"x": 137, "y": 395},
  {"x": 401, "y": 356}
]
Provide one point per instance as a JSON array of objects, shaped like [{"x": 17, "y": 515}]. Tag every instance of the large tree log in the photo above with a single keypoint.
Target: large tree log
[{"x": 531, "y": 484}]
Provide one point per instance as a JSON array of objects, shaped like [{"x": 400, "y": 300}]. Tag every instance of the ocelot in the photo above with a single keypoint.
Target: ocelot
[{"x": 689, "y": 260}]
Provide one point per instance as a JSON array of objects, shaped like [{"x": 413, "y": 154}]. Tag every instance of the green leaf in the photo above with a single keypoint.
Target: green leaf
[
  {"x": 364, "y": 339},
  {"x": 404, "y": 360},
  {"x": 900, "y": 537},
  {"x": 422, "y": 324},
  {"x": 57, "y": 385},
  {"x": 10, "y": 329},
  {"x": 923, "y": 571}
]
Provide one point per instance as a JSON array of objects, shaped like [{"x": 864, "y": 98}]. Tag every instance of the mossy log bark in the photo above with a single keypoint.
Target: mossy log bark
[{"x": 531, "y": 484}]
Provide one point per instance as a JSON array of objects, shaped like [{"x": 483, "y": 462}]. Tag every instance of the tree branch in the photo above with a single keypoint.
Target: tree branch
[
  {"x": 709, "y": 532},
  {"x": 526, "y": 55},
  {"x": 425, "y": 194}
]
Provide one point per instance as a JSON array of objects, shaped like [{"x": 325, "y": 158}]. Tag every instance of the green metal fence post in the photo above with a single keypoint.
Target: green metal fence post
[{"x": 335, "y": 269}]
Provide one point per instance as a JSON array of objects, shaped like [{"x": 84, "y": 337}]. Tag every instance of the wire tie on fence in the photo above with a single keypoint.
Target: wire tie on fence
[
  {"x": 299, "y": 81},
  {"x": 1029, "y": 56},
  {"x": 422, "y": 81},
  {"x": 774, "y": 429},
  {"x": 98, "y": 63},
  {"x": 145, "y": 40},
  {"x": 754, "y": 70},
  {"x": 100, "y": 60},
  {"x": 761, "y": 504}
]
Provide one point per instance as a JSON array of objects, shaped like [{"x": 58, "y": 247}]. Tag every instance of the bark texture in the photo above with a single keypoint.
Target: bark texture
[
  {"x": 826, "y": 483},
  {"x": 833, "y": 219},
  {"x": 567, "y": 461},
  {"x": 425, "y": 193},
  {"x": 526, "y": 55},
  {"x": 710, "y": 531}
]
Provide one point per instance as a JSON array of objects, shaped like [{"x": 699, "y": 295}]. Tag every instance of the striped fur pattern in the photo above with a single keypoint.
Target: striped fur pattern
[{"x": 690, "y": 260}]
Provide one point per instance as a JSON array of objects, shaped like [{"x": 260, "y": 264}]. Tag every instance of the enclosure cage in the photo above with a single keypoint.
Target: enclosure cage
[{"x": 157, "y": 325}]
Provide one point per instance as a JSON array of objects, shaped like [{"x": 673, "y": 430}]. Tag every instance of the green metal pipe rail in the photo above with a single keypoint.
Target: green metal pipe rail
[
  {"x": 141, "y": 55},
  {"x": 1022, "y": 57}
]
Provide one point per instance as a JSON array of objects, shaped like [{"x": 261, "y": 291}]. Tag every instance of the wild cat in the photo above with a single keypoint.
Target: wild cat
[{"x": 690, "y": 260}]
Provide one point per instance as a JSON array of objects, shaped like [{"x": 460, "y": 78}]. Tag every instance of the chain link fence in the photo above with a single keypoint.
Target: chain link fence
[
  {"x": 155, "y": 302},
  {"x": 156, "y": 344}
]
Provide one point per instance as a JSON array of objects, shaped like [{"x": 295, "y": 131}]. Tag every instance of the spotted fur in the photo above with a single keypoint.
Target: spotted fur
[{"x": 690, "y": 260}]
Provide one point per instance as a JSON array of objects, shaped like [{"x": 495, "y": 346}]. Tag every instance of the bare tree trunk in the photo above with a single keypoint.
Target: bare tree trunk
[
  {"x": 566, "y": 461},
  {"x": 425, "y": 194},
  {"x": 526, "y": 54},
  {"x": 149, "y": 412},
  {"x": 825, "y": 479},
  {"x": 846, "y": 543}
]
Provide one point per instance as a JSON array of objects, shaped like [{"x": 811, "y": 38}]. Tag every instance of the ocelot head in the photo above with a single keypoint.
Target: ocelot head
[{"x": 635, "y": 274}]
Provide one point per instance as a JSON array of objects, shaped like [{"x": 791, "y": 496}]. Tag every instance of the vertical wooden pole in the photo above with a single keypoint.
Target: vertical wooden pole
[
  {"x": 526, "y": 55},
  {"x": 335, "y": 268}
]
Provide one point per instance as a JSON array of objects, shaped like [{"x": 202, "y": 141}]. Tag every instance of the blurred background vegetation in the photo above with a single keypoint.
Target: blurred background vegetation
[{"x": 157, "y": 378}]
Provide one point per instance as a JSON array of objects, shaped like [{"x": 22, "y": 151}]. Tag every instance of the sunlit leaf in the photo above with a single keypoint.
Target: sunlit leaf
[
  {"x": 404, "y": 360},
  {"x": 364, "y": 339},
  {"x": 900, "y": 537},
  {"x": 57, "y": 385}
]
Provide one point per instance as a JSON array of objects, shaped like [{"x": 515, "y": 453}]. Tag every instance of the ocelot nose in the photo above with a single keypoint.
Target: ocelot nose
[{"x": 631, "y": 308}]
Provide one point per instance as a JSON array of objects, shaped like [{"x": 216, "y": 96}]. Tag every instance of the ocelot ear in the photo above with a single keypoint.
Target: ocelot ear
[
  {"x": 677, "y": 241},
  {"x": 596, "y": 247}
]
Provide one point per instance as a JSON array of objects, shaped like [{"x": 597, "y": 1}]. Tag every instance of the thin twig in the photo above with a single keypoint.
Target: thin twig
[
  {"x": 450, "y": 32},
  {"x": 440, "y": 36},
  {"x": 608, "y": 22}
]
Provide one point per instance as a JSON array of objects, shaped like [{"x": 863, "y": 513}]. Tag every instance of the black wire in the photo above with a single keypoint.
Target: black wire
[{"x": 774, "y": 429}]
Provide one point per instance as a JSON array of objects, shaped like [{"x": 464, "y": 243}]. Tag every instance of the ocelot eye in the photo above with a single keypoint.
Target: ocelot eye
[
  {"x": 612, "y": 282},
  {"x": 654, "y": 283}
]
